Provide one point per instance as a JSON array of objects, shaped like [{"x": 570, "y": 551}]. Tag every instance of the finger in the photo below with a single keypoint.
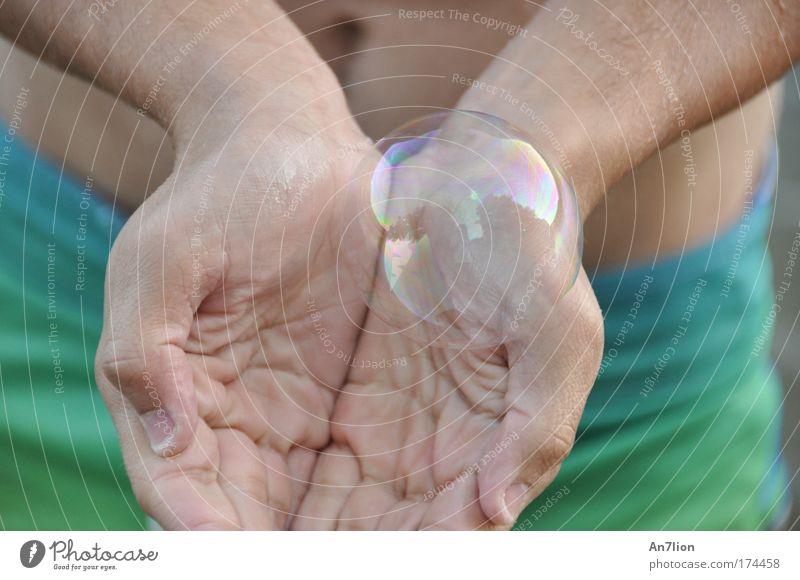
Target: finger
[
  {"x": 301, "y": 466},
  {"x": 222, "y": 480},
  {"x": 154, "y": 285},
  {"x": 455, "y": 506},
  {"x": 335, "y": 474},
  {"x": 180, "y": 493},
  {"x": 549, "y": 380},
  {"x": 245, "y": 478}
]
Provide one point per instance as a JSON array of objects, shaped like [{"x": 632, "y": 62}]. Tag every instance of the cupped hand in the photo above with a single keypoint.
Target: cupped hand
[
  {"x": 218, "y": 379},
  {"x": 454, "y": 440},
  {"x": 432, "y": 431},
  {"x": 253, "y": 390}
]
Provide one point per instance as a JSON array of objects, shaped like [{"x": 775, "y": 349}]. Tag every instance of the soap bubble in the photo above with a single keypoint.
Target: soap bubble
[{"x": 459, "y": 232}]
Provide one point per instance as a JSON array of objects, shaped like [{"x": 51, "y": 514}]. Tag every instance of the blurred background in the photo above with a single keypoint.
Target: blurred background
[
  {"x": 786, "y": 344},
  {"x": 146, "y": 171}
]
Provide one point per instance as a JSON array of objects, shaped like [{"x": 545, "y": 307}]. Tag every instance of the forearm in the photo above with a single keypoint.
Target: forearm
[
  {"x": 172, "y": 60},
  {"x": 601, "y": 86}
]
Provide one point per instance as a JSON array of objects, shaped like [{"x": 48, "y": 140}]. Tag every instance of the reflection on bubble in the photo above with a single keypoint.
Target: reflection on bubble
[{"x": 465, "y": 234}]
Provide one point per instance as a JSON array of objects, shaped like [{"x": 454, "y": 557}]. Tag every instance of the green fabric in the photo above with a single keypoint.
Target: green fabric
[
  {"x": 700, "y": 450},
  {"x": 682, "y": 427},
  {"x": 62, "y": 468}
]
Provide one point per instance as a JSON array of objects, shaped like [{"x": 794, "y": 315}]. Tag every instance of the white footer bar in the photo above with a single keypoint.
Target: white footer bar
[{"x": 403, "y": 555}]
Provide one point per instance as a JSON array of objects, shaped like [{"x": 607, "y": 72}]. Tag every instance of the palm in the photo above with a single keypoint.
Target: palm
[
  {"x": 264, "y": 381},
  {"x": 306, "y": 415},
  {"x": 433, "y": 443},
  {"x": 263, "y": 411}
]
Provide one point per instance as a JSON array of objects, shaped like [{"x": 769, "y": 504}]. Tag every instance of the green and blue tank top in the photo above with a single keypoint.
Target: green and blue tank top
[{"x": 681, "y": 430}]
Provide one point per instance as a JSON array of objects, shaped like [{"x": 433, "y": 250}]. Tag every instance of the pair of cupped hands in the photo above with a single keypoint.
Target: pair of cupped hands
[{"x": 253, "y": 388}]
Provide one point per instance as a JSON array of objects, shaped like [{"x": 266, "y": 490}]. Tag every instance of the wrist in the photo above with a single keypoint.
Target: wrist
[
  {"x": 561, "y": 143},
  {"x": 218, "y": 65},
  {"x": 569, "y": 83}
]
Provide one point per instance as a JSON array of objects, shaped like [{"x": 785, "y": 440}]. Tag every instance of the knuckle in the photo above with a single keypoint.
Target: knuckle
[
  {"x": 117, "y": 365},
  {"x": 590, "y": 328},
  {"x": 147, "y": 500},
  {"x": 558, "y": 445}
]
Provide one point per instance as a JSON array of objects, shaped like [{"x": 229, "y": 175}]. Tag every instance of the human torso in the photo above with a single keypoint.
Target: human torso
[{"x": 393, "y": 68}]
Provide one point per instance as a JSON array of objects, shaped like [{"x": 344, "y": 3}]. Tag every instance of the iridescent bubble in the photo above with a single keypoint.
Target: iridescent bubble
[{"x": 459, "y": 231}]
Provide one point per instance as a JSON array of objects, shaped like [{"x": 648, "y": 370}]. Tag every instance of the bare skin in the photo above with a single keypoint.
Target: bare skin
[
  {"x": 250, "y": 423},
  {"x": 651, "y": 211}
]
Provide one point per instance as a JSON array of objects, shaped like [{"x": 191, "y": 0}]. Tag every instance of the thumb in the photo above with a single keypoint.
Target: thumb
[
  {"x": 521, "y": 461},
  {"x": 150, "y": 301},
  {"x": 550, "y": 376}
]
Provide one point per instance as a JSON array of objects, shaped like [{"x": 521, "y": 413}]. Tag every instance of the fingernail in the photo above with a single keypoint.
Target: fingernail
[
  {"x": 160, "y": 431},
  {"x": 514, "y": 501}
]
